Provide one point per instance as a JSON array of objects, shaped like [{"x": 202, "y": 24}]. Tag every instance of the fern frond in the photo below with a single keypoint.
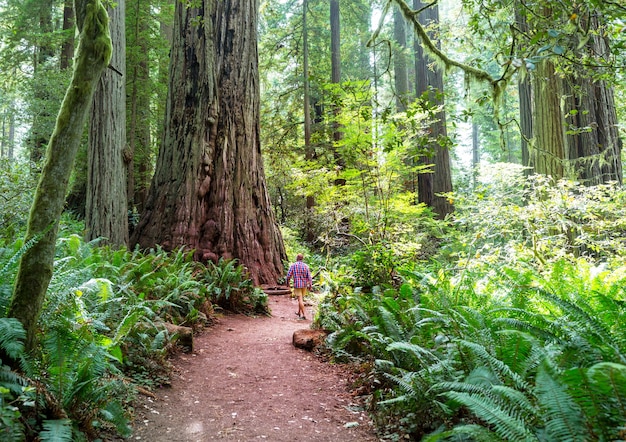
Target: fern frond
[
  {"x": 499, "y": 367},
  {"x": 12, "y": 336},
  {"x": 11, "y": 380},
  {"x": 586, "y": 324},
  {"x": 463, "y": 433},
  {"x": 609, "y": 380},
  {"x": 389, "y": 324},
  {"x": 422, "y": 355},
  {"x": 542, "y": 334},
  {"x": 57, "y": 430},
  {"x": 507, "y": 426},
  {"x": 562, "y": 416},
  {"x": 515, "y": 348},
  {"x": 114, "y": 413}
]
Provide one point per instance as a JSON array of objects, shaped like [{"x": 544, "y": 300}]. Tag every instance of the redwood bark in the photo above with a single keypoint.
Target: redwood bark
[
  {"x": 106, "y": 211},
  {"x": 208, "y": 192},
  {"x": 549, "y": 152},
  {"x": 431, "y": 185}
]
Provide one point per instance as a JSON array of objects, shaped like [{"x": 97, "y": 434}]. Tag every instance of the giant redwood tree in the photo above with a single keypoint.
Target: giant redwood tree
[{"x": 208, "y": 192}]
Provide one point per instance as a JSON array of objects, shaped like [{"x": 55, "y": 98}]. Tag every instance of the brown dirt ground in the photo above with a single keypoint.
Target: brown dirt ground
[{"x": 245, "y": 381}]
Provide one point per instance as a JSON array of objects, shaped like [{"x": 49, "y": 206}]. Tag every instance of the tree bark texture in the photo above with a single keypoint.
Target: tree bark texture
[
  {"x": 36, "y": 265},
  {"x": 524, "y": 88},
  {"x": 548, "y": 152},
  {"x": 106, "y": 212},
  {"x": 138, "y": 105},
  {"x": 431, "y": 186},
  {"x": 400, "y": 69},
  {"x": 208, "y": 192},
  {"x": 594, "y": 145}
]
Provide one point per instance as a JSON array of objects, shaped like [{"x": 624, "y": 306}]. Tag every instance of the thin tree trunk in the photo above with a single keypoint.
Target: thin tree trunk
[
  {"x": 106, "y": 212},
  {"x": 524, "y": 88},
  {"x": 67, "y": 48},
  {"x": 400, "y": 72},
  {"x": 431, "y": 186},
  {"x": 36, "y": 265},
  {"x": 208, "y": 192},
  {"x": 475, "y": 154},
  {"x": 309, "y": 150}
]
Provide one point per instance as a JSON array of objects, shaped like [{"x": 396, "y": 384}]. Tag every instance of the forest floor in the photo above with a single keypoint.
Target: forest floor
[{"x": 245, "y": 381}]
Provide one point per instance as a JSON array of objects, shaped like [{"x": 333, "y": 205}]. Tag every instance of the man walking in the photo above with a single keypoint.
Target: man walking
[{"x": 302, "y": 281}]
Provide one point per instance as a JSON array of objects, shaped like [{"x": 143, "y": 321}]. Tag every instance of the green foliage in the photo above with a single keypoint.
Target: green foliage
[
  {"x": 506, "y": 343},
  {"x": 16, "y": 188},
  {"x": 229, "y": 286}
]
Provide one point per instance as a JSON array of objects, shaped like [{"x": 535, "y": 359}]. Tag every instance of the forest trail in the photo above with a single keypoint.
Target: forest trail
[{"x": 245, "y": 381}]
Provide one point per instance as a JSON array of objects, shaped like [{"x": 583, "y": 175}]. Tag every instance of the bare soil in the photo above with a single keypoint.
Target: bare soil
[{"x": 245, "y": 381}]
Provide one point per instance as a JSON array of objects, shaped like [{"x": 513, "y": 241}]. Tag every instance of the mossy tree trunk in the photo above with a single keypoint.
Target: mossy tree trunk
[
  {"x": 36, "y": 265},
  {"x": 208, "y": 192},
  {"x": 106, "y": 212}
]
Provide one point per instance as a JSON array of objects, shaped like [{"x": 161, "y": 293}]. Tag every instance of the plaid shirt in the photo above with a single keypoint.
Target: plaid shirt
[{"x": 301, "y": 275}]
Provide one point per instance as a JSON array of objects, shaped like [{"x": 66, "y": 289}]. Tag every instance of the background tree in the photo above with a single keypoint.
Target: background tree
[
  {"x": 208, "y": 191},
  {"x": 106, "y": 214},
  {"x": 432, "y": 187}
]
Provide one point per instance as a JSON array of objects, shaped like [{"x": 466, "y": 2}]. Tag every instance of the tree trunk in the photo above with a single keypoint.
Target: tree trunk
[
  {"x": 138, "y": 107},
  {"x": 548, "y": 154},
  {"x": 43, "y": 52},
  {"x": 400, "y": 72},
  {"x": 431, "y": 185},
  {"x": 208, "y": 192},
  {"x": 524, "y": 88},
  {"x": 475, "y": 154},
  {"x": 335, "y": 77},
  {"x": 35, "y": 270},
  {"x": 594, "y": 143},
  {"x": 67, "y": 47},
  {"x": 106, "y": 213},
  {"x": 309, "y": 150}
]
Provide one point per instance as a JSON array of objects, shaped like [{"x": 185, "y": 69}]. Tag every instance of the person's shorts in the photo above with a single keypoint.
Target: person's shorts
[{"x": 299, "y": 291}]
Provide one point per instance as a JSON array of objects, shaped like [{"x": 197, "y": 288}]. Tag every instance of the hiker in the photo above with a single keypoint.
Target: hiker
[{"x": 302, "y": 281}]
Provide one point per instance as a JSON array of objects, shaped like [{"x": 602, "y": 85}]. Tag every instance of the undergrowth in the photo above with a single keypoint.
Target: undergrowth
[
  {"x": 102, "y": 335},
  {"x": 516, "y": 336}
]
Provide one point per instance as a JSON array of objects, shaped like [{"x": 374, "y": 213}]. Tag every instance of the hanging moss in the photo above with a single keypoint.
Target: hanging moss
[{"x": 498, "y": 85}]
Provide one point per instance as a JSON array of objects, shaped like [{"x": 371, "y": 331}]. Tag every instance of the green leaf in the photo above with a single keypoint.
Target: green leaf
[{"x": 58, "y": 430}]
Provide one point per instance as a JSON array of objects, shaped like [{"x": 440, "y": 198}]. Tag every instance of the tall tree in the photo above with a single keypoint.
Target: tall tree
[
  {"x": 67, "y": 47},
  {"x": 400, "y": 67},
  {"x": 35, "y": 269},
  {"x": 208, "y": 191},
  {"x": 106, "y": 213},
  {"x": 593, "y": 142},
  {"x": 429, "y": 83},
  {"x": 309, "y": 149}
]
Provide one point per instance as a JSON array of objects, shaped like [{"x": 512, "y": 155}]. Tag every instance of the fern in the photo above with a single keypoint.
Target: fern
[
  {"x": 463, "y": 433},
  {"x": 12, "y": 336},
  {"x": 507, "y": 426},
  {"x": 58, "y": 430},
  {"x": 423, "y": 356},
  {"x": 499, "y": 367},
  {"x": 586, "y": 325},
  {"x": 562, "y": 416}
]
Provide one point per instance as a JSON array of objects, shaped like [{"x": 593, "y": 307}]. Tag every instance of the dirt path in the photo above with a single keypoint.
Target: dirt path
[{"x": 245, "y": 381}]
